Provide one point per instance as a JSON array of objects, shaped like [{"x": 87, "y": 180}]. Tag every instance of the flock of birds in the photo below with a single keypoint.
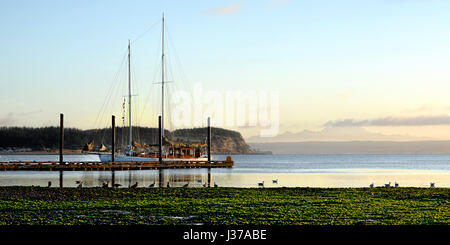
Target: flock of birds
[
  {"x": 397, "y": 185},
  {"x": 260, "y": 184},
  {"x": 135, "y": 185}
]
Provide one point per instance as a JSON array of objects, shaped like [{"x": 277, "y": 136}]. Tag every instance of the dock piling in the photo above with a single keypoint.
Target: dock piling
[
  {"x": 209, "y": 151},
  {"x": 61, "y": 147},
  {"x": 160, "y": 139},
  {"x": 113, "y": 150}
]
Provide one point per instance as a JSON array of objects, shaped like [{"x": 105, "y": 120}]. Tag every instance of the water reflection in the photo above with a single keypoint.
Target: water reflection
[
  {"x": 203, "y": 177},
  {"x": 249, "y": 170}
]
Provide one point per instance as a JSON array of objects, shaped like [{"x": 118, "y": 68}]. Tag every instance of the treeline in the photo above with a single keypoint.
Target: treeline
[{"x": 48, "y": 137}]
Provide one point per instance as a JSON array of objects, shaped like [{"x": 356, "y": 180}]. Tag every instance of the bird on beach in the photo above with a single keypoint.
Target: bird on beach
[
  {"x": 387, "y": 185},
  {"x": 261, "y": 184},
  {"x": 105, "y": 184},
  {"x": 275, "y": 181},
  {"x": 80, "y": 183},
  {"x": 117, "y": 185},
  {"x": 135, "y": 185},
  {"x": 168, "y": 184},
  {"x": 432, "y": 185},
  {"x": 395, "y": 184},
  {"x": 371, "y": 185},
  {"x": 49, "y": 184},
  {"x": 215, "y": 185},
  {"x": 152, "y": 185},
  {"x": 186, "y": 185}
]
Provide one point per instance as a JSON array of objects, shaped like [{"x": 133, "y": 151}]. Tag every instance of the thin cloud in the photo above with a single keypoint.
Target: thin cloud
[
  {"x": 227, "y": 10},
  {"x": 392, "y": 121},
  {"x": 13, "y": 117}
]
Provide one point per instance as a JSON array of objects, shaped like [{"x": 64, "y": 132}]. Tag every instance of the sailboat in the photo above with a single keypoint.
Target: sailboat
[{"x": 171, "y": 151}]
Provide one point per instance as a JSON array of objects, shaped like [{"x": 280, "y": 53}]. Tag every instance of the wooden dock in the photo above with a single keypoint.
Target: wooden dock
[{"x": 110, "y": 166}]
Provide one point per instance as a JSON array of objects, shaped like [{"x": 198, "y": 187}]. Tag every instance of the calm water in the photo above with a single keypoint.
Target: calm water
[{"x": 249, "y": 170}]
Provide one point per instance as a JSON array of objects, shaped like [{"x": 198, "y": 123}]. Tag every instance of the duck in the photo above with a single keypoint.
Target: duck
[
  {"x": 261, "y": 184},
  {"x": 152, "y": 185},
  {"x": 432, "y": 185},
  {"x": 135, "y": 185},
  {"x": 275, "y": 181},
  {"x": 117, "y": 185},
  {"x": 215, "y": 185},
  {"x": 186, "y": 185},
  {"x": 387, "y": 185}
]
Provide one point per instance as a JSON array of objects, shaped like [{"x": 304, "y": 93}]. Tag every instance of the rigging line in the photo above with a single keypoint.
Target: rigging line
[
  {"x": 110, "y": 90},
  {"x": 113, "y": 107},
  {"x": 136, "y": 107},
  {"x": 108, "y": 96},
  {"x": 145, "y": 32},
  {"x": 156, "y": 73},
  {"x": 184, "y": 79}
]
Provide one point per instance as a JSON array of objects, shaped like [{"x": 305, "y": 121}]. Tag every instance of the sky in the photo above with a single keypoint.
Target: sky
[{"x": 381, "y": 65}]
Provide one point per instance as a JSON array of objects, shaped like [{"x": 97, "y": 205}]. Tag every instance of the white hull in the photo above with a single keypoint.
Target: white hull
[{"x": 124, "y": 158}]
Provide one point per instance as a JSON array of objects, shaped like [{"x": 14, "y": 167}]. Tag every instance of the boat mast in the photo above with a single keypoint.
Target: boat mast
[
  {"x": 162, "y": 78},
  {"x": 130, "y": 142}
]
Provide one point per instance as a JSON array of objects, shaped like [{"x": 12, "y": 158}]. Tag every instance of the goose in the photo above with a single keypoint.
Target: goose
[
  {"x": 371, "y": 185},
  {"x": 117, "y": 185},
  {"x": 275, "y": 181},
  {"x": 186, "y": 185},
  {"x": 135, "y": 185},
  {"x": 432, "y": 185},
  {"x": 261, "y": 184},
  {"x": 152, "y": 185}
]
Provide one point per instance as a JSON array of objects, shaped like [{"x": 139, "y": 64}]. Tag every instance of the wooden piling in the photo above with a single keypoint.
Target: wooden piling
[
  {"x": 61, "y": 147},
  {"x": 113, "y": 150},
  {"x": 209, "y": 150},
  {"x": 160, "y": 139},
  {"x": 113, "y": 139},
  {"x": 209, "y": 140}
]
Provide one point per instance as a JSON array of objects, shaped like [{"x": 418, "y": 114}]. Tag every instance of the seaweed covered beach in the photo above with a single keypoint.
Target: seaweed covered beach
[{"x": 224, "y": 206}]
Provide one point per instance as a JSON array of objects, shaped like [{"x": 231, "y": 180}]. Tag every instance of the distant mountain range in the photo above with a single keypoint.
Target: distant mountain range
[
  {"x": 347, "y": 140},
  {"x": 335, "y": 134},
  {"x": 355, "y": 147}
]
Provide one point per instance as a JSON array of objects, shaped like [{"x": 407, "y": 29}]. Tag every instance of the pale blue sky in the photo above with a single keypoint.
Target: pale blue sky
[{"x": 330, "y": 60}]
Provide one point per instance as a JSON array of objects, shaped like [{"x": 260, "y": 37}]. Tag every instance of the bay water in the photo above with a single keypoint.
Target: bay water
[{"x": 249, "y": 170}]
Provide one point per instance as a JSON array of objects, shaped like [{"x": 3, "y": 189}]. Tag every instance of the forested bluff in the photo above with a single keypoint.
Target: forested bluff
[{"x": 47, "y": 138}]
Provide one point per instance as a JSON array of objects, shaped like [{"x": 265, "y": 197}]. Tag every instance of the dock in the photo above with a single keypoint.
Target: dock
[{"x": 110, "y": 166}]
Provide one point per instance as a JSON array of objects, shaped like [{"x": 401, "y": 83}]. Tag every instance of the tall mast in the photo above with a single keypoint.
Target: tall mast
[
  {"x": 129, "y": 97},
  {"x": 162, "y": 78}
]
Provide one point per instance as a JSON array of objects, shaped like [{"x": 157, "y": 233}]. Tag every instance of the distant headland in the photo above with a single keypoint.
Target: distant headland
[{"x": 45, "y": 140}]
